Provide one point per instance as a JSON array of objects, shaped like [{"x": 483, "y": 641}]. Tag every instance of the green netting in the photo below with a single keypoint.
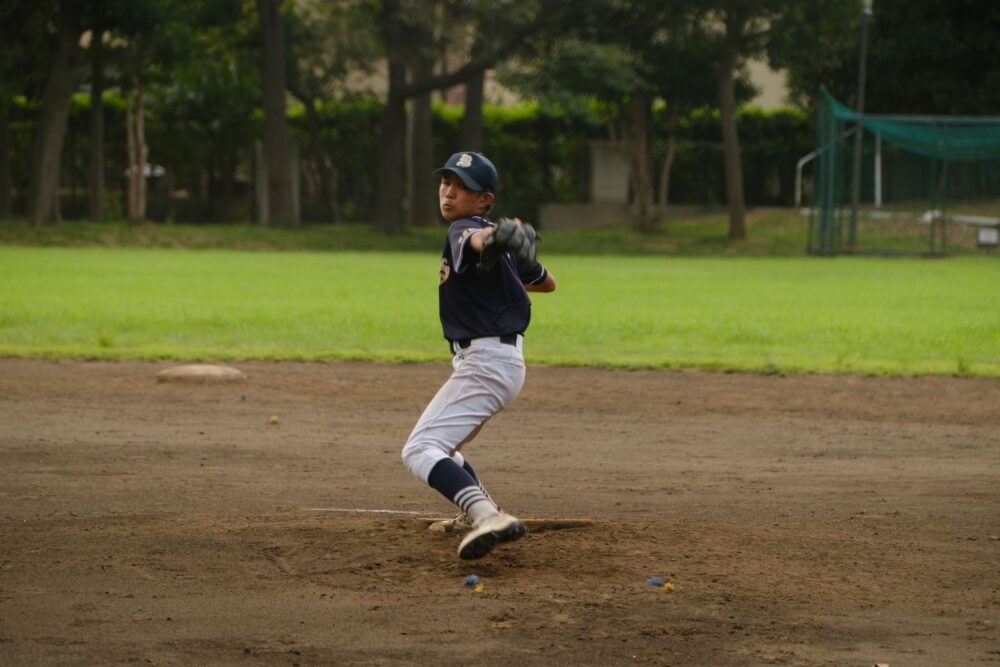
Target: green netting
[
  {"x": 942, "y": 137},
  {"x": 925, "y": 184}
]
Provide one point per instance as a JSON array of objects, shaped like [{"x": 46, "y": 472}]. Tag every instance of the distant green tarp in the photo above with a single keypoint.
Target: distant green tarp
[{"x": 942, "y": 137}]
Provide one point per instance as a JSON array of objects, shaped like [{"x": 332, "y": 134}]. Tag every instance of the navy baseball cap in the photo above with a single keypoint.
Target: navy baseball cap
[{"x": 475, "y": 170}]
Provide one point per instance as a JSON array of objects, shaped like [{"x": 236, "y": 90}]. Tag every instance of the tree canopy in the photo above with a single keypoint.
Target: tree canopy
[{"x": 202, "y": 69}]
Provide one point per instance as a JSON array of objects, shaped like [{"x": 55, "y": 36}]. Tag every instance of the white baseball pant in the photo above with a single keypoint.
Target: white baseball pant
[{"x": 487, "y": 376}]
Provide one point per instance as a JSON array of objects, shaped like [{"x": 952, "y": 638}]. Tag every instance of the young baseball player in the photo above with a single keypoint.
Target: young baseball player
[{"x": 487, "y": 270}]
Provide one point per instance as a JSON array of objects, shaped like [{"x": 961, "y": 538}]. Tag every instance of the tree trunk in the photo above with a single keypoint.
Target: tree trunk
[
  {"x": 324, "y": 164},
  {"x": 730, "y": 137},
  {"x": 636, "y": 134},
  {"x": 277, "y": 145},
  {"x": 227, "y": 177},
  {"x": 98, "y": 198},
  {"x": 423, "y": 210},
  {"x": 472, "y": 121},
  {"x": 391, "y": 143},
  {"x": 135, "y": 114},
  {"x": 43, "y": 189},
  {"x": 392, "y": 129},
  {"x": 668, "y": 159},
  {"x": 5, "y": 177}
]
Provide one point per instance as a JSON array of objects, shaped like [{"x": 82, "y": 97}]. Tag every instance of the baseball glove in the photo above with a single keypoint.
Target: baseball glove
[{"x": 520, "y": 240}]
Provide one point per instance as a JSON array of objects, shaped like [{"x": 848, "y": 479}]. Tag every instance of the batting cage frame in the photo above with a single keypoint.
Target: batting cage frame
[{"x": 930, "y": 184}]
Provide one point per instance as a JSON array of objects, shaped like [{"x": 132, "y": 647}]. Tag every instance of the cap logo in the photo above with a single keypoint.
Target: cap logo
[{"x": 464, "y": 161}]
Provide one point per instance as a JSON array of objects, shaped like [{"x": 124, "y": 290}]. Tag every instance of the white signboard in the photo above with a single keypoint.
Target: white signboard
[{"x": 988, "y": 236}]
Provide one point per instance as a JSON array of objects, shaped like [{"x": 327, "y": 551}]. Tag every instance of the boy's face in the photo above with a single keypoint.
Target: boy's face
[{"x": 457, "y": 201}]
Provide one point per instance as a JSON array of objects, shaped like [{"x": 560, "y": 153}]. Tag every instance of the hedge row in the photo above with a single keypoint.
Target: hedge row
[{"x": 541, "y": 154}]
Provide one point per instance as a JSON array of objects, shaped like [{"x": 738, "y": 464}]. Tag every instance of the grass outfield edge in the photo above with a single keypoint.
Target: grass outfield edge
[{"x": 879, "y": 371}]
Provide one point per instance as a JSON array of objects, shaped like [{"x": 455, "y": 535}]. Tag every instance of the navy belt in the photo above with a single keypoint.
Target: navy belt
[{"x": 509, "y": 339}]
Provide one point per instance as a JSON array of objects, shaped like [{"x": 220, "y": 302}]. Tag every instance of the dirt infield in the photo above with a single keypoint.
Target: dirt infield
[{"x": 801, "y": 520}]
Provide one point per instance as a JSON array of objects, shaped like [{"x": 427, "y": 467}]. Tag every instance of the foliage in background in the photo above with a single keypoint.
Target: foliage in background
[
  {"x": 825, "y": 53},
  {"x": 921, "y": 59},
  {"x": 924, "y": 57},
  {"x": 934, "y": 58},
  {"x": 541, "y": 151}
]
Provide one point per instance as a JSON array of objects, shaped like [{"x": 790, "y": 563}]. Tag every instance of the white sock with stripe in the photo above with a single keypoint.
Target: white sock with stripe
[
  {"x": 457, "y": 485},
  {"x": 475, "y": 503}
]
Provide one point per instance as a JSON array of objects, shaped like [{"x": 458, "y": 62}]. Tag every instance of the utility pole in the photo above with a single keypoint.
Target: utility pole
[{"x": 866, "y": 14}]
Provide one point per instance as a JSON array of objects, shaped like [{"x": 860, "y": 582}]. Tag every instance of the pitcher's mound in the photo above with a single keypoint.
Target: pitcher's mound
[{"x": 200, "y": 373}]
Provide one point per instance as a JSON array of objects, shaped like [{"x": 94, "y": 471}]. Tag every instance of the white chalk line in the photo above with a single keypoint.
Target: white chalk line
[{"x": 364, "y": 511}]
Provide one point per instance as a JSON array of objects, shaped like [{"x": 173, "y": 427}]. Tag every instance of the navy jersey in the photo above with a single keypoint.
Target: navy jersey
[{"x": 474, "y": 305}]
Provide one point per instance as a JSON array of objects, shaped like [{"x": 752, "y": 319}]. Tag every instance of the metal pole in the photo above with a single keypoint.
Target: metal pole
[
  {"x": 866, "y": 13},
  {"x": 798, "y": 176},
  {"x": 934, "y": 206},
  {"x": 944, "y": 208},
  {"x": 878, "y": 171}
]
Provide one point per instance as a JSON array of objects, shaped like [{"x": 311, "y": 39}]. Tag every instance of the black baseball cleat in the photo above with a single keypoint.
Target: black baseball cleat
[{"x": 488, "y": 533}]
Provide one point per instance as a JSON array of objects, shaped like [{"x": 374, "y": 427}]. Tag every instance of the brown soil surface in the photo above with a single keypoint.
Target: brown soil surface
[{"x": 806, "y": 520}]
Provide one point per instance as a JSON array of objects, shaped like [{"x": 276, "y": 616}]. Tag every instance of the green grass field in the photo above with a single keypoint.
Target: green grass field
[{"x": 846, "y": 315}]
